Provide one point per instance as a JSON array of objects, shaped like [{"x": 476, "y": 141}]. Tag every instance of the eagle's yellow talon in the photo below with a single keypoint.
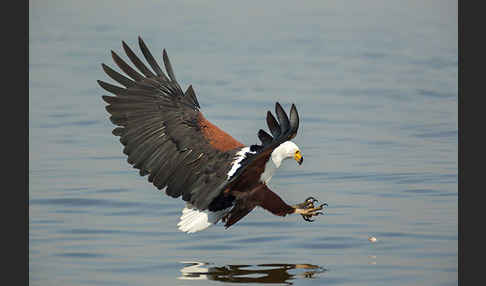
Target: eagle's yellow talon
[{"x": 308, "y": 210}]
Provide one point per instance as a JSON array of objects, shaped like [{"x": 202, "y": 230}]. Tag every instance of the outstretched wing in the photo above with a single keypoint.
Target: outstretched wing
[
  {"x": 163, "y": 132},
  {"x": 282, "y": 130},
  {"x": 247, "y": 176}
]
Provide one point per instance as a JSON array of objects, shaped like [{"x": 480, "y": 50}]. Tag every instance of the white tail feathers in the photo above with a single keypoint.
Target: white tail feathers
[{"x": 193, "y": 220}]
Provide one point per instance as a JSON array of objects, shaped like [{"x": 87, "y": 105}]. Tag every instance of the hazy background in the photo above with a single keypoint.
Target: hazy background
[{"x": 375, "y": 83}]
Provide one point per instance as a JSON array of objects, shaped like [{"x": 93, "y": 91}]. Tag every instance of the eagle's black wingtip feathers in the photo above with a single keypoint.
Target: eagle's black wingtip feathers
[
  {"x": 137, "y": 62},
  {"x": 141, "y": 74},
  {"x": 273, "y": 125},
  {"x": 190, "y": 92},
  {"x": 126, "y": 68},
  {"x": 264, "y": 137},
  {"x": 116, "y": 76},
  {"x": 283, "y": 119},
  {"x": 283, "y": 129},
  {"x": 168, "y": 66},
  {"x": 150, "y": 59},
  {"x": 294, "y": 119}
]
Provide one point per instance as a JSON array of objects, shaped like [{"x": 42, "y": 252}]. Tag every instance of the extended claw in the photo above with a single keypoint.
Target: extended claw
[
  {"x": 307, "y": 204},
  {"x": 308, "y": 217},
  {"x": 311, "y": 199},
  {"x": 307, "y": 209}
]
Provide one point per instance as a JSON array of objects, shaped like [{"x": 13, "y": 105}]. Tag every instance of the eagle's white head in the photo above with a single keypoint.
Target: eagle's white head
[{"x": 286, "y": 150}]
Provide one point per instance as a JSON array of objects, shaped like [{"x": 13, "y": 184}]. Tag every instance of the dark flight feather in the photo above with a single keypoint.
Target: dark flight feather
[
  {"x": 121, "y": 79},
  {"x": 273, "y": 125},
  {"x": 168, "y": 66},
  {"x": 133, "y": 74},
  {"x": 192, "y": 95},
  {"x": 136, "y": 61},
  {"x": 150, "y": 59},
  {"x": 264, "y": 137},
  {"x": 111, "y": 88},
  {"x": 282, "y": 117}
]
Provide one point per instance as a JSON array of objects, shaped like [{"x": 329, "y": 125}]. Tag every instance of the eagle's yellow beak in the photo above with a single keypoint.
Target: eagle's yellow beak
[{"x": 298, "y": 157}]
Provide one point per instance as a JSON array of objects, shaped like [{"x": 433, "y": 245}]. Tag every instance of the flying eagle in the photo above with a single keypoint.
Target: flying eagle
[{"x": 167, "y": 138}]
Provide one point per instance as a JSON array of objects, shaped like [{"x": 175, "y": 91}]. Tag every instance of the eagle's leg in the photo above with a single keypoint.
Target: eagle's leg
[
  {"x": 270, "y": 201},
  {"x": 308, "y": 210}
]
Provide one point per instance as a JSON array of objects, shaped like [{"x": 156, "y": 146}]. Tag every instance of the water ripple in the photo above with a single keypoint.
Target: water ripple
[
  {"x": 417, "y": 235},
  {"x": 258, "y": 239},
  {"x": 80, "y": 255},
  {"x": 83, "y": 231},
  {"x": 84, "y": 202}
]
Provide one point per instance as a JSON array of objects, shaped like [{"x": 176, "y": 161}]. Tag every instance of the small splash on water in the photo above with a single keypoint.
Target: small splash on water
[{"x": 372, "y": 239}]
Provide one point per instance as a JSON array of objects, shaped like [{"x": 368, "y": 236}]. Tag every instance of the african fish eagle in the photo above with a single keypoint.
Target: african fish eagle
[{"x": 167, "y": 138}]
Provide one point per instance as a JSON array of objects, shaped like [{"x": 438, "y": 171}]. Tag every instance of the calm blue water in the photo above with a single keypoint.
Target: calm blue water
[{"x": 375, "y": 83}]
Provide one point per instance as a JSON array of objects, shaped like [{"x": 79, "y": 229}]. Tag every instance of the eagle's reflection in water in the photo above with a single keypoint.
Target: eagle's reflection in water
[{"x": 261, "y": 273}]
